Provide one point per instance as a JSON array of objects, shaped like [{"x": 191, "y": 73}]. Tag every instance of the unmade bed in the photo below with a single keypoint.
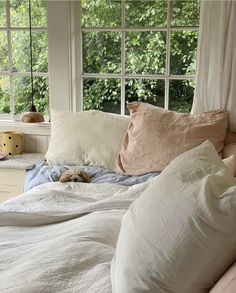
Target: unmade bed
[{"x": 128, "y": 230}]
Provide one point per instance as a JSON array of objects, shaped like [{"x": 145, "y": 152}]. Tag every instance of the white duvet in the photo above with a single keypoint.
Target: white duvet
[{"x": 62, "y": 237}]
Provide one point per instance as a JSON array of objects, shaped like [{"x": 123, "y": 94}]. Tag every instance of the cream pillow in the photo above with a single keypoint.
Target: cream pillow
[
  {"x": 179, "y": 236},
  {"x": 89, "y": 137},
  {"x": 156, "y": 136}
]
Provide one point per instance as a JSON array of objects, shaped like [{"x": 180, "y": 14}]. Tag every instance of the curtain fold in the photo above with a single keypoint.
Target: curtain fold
[{"x": 216, "y": 61}]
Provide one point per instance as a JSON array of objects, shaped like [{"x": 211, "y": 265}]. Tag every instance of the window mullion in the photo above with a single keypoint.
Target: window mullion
[
  {"x": 143, "y": 29},
  {"x": 168, "y": 36},
  {"x": 122, "y": 102},
  {"x": 80, "y": 58}
]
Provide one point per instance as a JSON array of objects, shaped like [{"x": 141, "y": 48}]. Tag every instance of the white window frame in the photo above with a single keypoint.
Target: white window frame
[
  {"x": 62, "y": 79},
  {"x": 10, "y": 73},
  {"x": 123, "y": 76},
  {"x": 65, "y": 64}
]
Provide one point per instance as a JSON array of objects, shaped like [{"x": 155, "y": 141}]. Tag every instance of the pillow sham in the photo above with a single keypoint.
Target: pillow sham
[
  {"x": 88, "y": 137},
  {"x": 156, "y": 136},
  {"x": 179, "y": 235}
]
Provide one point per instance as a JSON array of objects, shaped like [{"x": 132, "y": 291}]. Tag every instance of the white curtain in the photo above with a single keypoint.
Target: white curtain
[{"x": 216, "y": 63}]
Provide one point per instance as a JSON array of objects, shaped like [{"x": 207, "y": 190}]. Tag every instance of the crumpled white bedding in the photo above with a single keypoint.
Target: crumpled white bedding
[{"x": 62, "y": 237}]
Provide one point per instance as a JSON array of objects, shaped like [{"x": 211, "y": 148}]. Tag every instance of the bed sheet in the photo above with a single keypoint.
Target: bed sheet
[{"x": 43, "y": 173}]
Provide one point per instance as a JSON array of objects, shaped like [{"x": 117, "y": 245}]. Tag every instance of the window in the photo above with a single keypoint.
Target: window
[
  {"x": 15, "y": 56},
  {"x": 138, "y": 50}
]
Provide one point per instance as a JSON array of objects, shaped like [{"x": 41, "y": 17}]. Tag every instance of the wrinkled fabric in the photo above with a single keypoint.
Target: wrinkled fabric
[
  {"x": 179, "y": 235},
  {"x": 62, "y": 237},
  {"x": 43, "y": 173}
]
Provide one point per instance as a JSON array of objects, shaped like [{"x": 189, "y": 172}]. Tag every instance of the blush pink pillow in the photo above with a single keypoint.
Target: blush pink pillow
[
  {"x": 227, "y": 283},
  {"x": 156, "y": 136}
]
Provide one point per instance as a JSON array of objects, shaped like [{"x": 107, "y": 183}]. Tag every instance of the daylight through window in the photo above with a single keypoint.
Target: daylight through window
[
  {"x": 15, "y": 57},
  {"x": 141, "y": 50}
]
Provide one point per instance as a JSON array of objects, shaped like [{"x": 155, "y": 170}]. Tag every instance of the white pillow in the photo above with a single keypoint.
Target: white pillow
[
  {"x": 179, "y": 236},
  {"x": 89, "y": 137}
]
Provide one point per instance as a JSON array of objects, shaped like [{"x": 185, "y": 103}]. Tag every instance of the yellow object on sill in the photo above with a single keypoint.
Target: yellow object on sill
[{"x": 12, "y": 142}]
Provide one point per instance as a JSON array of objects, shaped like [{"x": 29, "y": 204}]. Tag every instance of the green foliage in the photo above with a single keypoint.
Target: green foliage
[
  {"x": 23, "y": 94},
  {"x": 181, "y": 95},
  {"x": 101, "y": 51},
  {"x": 3, "y": 51},
  {"x": 145, "y": 90},
  {"x": 107, "y": 97},
  {"x": 185, "y": 12},
  {"x": 2, "y": 14},
  {"x": 19, "y": 11},
  {"x": 183, "y": 52},
  {"x": 101, "y": 13},
  {"x": 145, "y": 53},
  {"x": 21, "y": 59},
  {"x": 4, "y": 95}
]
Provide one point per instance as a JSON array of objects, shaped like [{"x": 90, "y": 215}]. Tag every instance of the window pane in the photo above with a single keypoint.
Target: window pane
[
  {"x": 39, "y": 13},
  {"x": 22, "y": 94},
  {"x": 3, "y": 19},
  {"x": 185, "y": 12},
  {"x": 20, "y": 51},
  {"x": 183, "y": 52},
  {"x": 145, "y": 52},
  {"x": 102, "y": 94},
  {"x": 3, "y": 52},
  {"x": 4, "y": 95},
  {"x": 146, "y": 13},
  {"x": 144, "y": 90},
  {"x": 40, "y": 52},
  {"x": 19, "y": 12},
  {"x": 181, "y": 95},
  {"x": 101, "y": 52},
  {"x": 101, "y": 13}
]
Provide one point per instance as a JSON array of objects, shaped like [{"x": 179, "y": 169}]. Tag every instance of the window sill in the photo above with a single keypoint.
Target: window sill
[{"x": 27, "y": 128}]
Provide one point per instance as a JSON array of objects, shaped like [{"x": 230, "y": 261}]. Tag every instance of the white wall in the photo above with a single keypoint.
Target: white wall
[{"x": 59, "y": 54}]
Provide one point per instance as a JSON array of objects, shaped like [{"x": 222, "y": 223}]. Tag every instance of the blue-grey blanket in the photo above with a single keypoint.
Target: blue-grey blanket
[{"x": 42, "y": 173}]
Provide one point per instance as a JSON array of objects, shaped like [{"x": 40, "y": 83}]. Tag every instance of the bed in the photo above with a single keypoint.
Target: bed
[{"x": 95, "y": 237}]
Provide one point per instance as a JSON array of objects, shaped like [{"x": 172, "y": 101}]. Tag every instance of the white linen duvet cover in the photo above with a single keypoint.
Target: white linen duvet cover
[{"x": 62, "y": 237}]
